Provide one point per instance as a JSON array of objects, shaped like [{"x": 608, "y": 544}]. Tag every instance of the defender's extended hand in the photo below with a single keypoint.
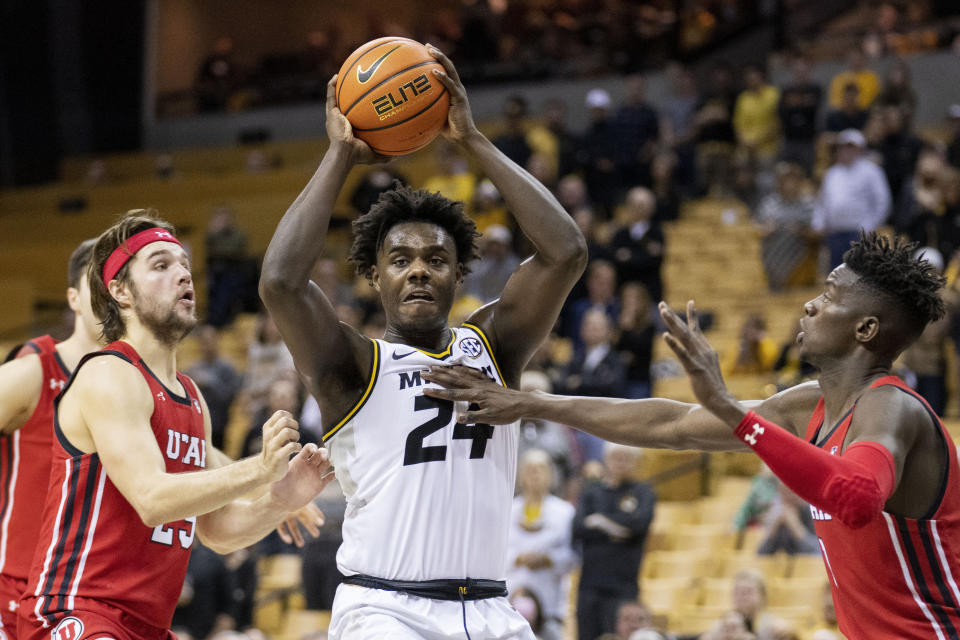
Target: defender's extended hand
[
  {"x": 701, "y": 363},
  {"x": 460, "y": 124},
  {"x": 309, "y": 516},
  {"x": 497, "y": 405},
  {"x": 307, "y": 475},
  {"x": 340, "y": 131}
]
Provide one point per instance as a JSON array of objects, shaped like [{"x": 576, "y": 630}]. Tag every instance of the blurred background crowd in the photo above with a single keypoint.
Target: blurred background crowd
[{"x": 738, "y": 181}]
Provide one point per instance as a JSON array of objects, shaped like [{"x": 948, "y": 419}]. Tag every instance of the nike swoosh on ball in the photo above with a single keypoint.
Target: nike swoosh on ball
[{"x": 364, "y": 75}]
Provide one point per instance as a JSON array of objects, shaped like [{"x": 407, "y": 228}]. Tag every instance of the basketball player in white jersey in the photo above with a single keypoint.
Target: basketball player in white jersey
[{"x": 428, "y": 500}]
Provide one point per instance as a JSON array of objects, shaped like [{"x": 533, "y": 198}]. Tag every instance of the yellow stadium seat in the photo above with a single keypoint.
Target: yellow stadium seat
[
  {"x": 774, "y": 566},
  {"x": 677, "y": 564},
  {"x": 665, "y": 595},
  {"x": 807, "y": 566},
  {"x": 795, "y": 592},
  {"x": 716, "y": 592},
  {"x": 707, "y": 537}
]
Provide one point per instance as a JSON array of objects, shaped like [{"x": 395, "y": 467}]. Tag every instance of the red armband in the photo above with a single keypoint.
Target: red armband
[{"x": 853, "y": 487}]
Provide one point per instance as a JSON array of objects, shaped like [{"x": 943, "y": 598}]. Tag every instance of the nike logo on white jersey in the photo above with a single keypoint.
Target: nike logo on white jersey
[{"x": 401, "y": 356}]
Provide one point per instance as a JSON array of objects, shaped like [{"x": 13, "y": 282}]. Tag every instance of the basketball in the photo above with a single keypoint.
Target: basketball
[{"x": 388, "y": 92}]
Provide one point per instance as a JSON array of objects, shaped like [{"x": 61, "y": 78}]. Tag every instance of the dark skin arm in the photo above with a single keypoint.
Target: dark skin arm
[
  {"x": 656, "y": 423},
  {"x": 884, "y": 415},
  {"x": 531, "y": 300},
  {"x": 331, "y": 357}
]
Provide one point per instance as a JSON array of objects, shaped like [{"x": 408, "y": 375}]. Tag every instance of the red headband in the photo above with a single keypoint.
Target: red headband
[{"x": 128, "y": 249}]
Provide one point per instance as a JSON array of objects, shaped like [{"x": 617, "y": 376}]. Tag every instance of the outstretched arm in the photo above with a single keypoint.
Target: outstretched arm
[
  {"x": 853, "y": 486},
  {"x": 320, "y": 345},
  {"x": 108, "y": 410},
  {"x": 531, "y": 300},
  {"x": 653, "y": 422}
]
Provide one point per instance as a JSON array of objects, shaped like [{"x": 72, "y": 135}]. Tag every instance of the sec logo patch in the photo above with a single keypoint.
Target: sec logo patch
[
  {"x": 69, "y": 629},
  {"x": 471, "y": 347}
]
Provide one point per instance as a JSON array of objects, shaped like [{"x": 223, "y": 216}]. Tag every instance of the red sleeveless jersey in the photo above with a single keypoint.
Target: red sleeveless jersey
[
  {"x": 896, "y": 577},
  {"x": 25, "y": 466},
  {"x": 92, "y": 543}
]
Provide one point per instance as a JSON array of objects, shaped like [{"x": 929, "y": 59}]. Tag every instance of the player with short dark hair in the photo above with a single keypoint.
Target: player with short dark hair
[
  {"x": 866, "y": 451},
  {"x": 428, "y": 500},
  {"x": 133, "y": 475},
  {"x": 28, "y": 386}
]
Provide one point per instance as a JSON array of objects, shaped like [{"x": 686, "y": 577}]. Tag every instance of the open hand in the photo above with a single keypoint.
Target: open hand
[
  {"x": 309, "y": 516},
  {"x": 495, "y": 404},
  {"x": 701, "y": 363},
  {"x": 460, "y": 124},
  {"x": 306, "y": 476}
]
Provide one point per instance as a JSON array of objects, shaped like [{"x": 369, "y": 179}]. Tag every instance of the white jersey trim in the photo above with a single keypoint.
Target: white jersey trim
[
  {"x": 374, "y": 374},
  {"x": 11, "y": 493},
  {"x": 908, "y": 579},
  {"x": 64, "y": 491},
  {"x": 89, "y": 542}
]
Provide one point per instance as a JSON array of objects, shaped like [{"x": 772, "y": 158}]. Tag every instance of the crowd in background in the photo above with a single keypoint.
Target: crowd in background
[
  {"x": 498, "y": 40},
  {"x": 813, "y": 163}
]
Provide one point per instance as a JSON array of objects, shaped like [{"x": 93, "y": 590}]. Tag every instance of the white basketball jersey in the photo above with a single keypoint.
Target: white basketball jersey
[{"x": 427, "y": 498}]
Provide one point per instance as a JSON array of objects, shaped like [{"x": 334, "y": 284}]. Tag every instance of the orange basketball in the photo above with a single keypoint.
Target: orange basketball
[{"x": 388, "y": 92}]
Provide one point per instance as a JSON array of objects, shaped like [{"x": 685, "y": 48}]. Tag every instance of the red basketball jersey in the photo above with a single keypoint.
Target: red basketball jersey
[
  {"x": 896, "y": 577},
  {"x": 92, "y": 542},
  {"x": 25, "y": 466}
]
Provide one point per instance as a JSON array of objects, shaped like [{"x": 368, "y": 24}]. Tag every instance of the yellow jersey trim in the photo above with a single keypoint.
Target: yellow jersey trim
[
  {"x": 483, "y": 336},
  {"x": 374, "y": 374},
  {"x": 442, "y": 354}
]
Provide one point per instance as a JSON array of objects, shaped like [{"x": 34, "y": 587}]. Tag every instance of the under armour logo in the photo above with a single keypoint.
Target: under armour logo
[
  {"x": 57, "y": 384},
  {"x": 160, "y": 395},
  {"x": 164, "y": 235},
  {"x": 13, "y": 605},
  {"x": 752, "y": 438},
  {"x": 833, "y": 450}
]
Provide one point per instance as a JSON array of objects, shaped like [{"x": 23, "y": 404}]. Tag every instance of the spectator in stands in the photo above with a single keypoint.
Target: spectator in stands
[
  {"x": 553, "y": 139},
  {"x": 921, "y": 208},
  {"x": 217, "y": 380},
  {"x": 453, "y": 179},
  {"x": 637, "y": 330},
  {"x": 319, "y": 569},
  {"x": 284, "y": 394},
  {"x": 664, "y": 179},
  {"x": 527, "y": 604},
  {"x": 755, "y": 117},
  {"x": 230, "y": 271},
  {"x": 611, "y": 524},
  {"x": 638, "y": 126},
  {"x": 731, "y": 626},
  {"x": 218, "y": 77},
  {"x": 790, "y": 368},
  {"x": 206, "y": 603},
  {"x": 572, "y": 193},
  {"x": 849, "y": 115},
  {"x": 498, "y": 262},
  {"x": 827, "y": 628},
  {"x": 634, "y": 622},
  {"x": 949, "y": 235},
  {"x": 638, "y": 246},
  {"x": 787, "y": 525},
  {"x": 799, "y": 105},
  {"x": 715, "y": 137},
  {"x": 601, "y": 293},
  {"x": 598, "y": 154},
  {"x": 543, "y": 435},
  {"x": 513, "y": 141},
  {"x": 750, "y": 600},
  {"x": 926, "y": 358},
  {"x": 784, "y": 219},
  {"x": 763, "y": 491},
  {"x": 539, "y": 555},
  {"x": 858, "y": 74},
  {"x": 756, "y": 351},
  {"x": 487, "y": 208},
  {"x": 268, "y": 360},
  {"x": 900, "y": 149},
  {"x": 897, "y": 90},
  {"x": 678, "y": 123},
  {"x": 854, "y": 195},
  {"x": 374, "y": 182},
  {"x": 596, "y": 368},
  {"x": 953, "y": 141}
]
